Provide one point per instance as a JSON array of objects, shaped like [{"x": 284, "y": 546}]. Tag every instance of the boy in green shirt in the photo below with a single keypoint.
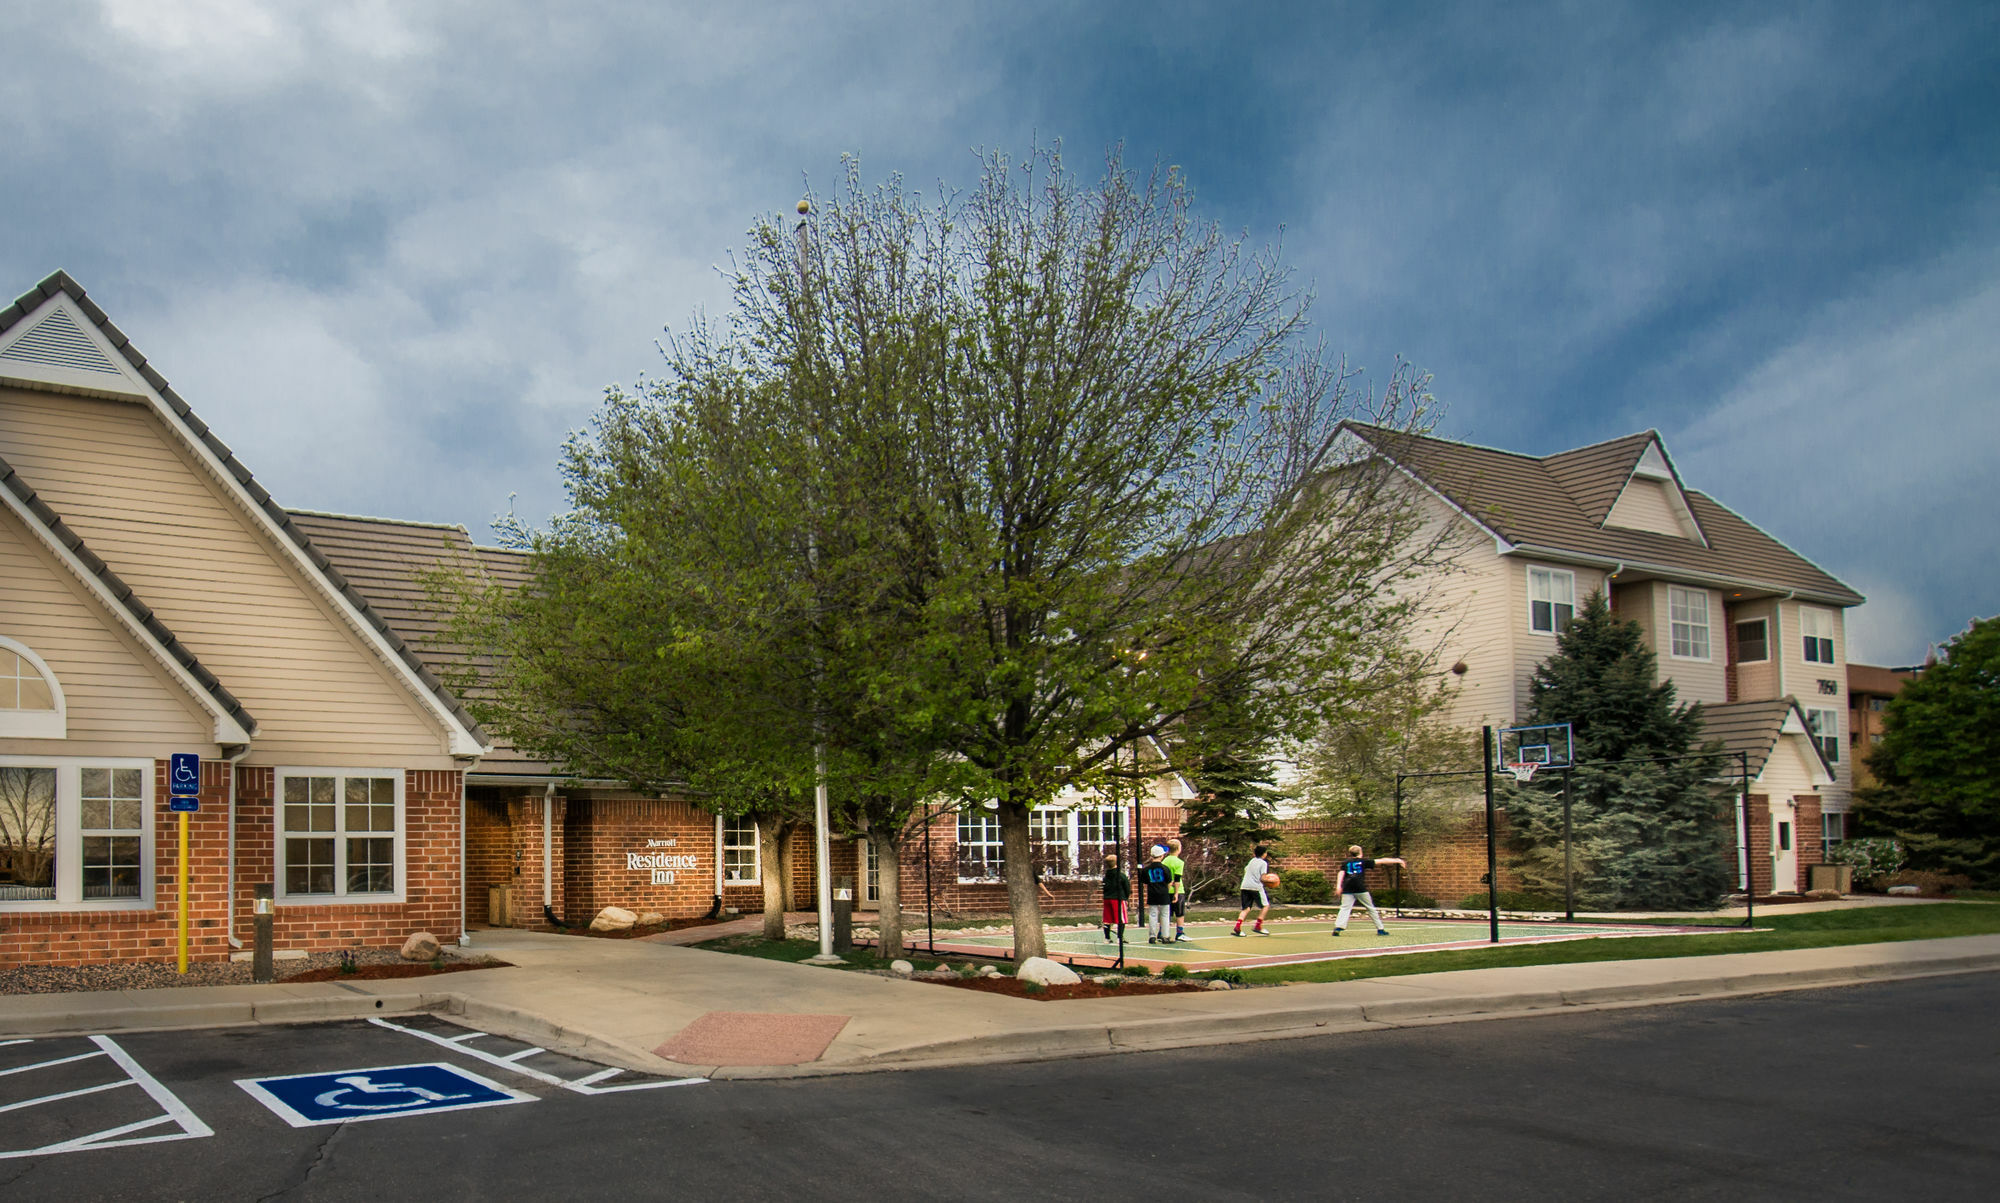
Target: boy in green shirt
[{"x": 1177, "y": 867}]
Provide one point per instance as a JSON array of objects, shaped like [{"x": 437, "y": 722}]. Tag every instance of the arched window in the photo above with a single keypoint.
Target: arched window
[{"x": 31, "y": 700}]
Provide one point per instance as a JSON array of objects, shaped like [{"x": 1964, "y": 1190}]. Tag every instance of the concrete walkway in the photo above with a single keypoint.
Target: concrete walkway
[{"x": 617, "y": 1001}]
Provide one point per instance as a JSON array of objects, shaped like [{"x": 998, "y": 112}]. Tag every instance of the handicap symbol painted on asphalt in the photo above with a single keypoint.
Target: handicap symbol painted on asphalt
[{"x": 346, "y": 1095}]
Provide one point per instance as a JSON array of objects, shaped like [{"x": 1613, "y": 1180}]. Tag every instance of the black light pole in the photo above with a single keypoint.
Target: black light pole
[
  {"x": 930, "y": 925},
  {"x": 1492, "y": 854},
  {"x": 1398, "y": 870},
  {"x": 1569, "y": 861},
  {"x": 1749, "y": 870}
]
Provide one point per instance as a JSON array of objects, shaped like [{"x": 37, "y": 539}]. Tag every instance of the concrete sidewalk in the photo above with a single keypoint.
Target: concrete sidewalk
[{"x": 618, "y": 1001}]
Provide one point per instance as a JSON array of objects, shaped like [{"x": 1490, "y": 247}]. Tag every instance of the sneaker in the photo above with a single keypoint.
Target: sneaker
[
  {"x": 1336, "y": 933},
  {"x": 1380, "y": 932},
  {"x": 1237, "y": 932},
  {"x": 1259, "y": 932}
]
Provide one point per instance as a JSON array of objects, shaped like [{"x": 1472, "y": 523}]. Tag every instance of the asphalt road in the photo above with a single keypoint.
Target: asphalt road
[{"x": 1875, "y": 1092}]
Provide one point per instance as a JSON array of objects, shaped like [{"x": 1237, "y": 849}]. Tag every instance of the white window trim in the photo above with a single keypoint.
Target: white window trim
[
  {"x": 69, "y": 819},
  {"x": 1839, "y": 742},
  {"x": 1823, "y": 623},
  {"x": 340, "y": 896},
  {"x": 1706, "y": 624},
  {"x": 1532, "y": 569},
  {"x": 958, "y": 844},
  {"x": 756, "y": 856},
  {"x": 36, "y": 724}
]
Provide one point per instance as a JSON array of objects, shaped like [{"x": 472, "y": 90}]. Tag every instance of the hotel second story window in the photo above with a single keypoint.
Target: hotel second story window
[
  {"x": 1825, "y": 728},
  {"x": 1817, "y": 628},
  {"x": 1753, "y": 641},
  {"x": 339, "y": 834},
  {"x": 739, "y": 852},
  {"x": 1687, "y": 616},
  {"x": 1551, "y": 600}
]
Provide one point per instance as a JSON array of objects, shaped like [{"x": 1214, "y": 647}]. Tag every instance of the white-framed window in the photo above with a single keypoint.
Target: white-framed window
[
  {"x": 1687, "y": 623},
  {"x": 871, "y": 870},
  {"x": 1825, "y": 728},
  {"x": 739, "y": 852},
  {"x": 980, "y": 853},
  {"x": 1551, "y": 600},
  {"x": 75, "y": 833},
  {"x": 1833, "y": 829},
  {"x": 1073, "y": 842},
  {"x": 1816, "y": 627},
  {"x": 31, "y": 700},
  {"x": 1753, "y": 641},
  {"x": 340, "y": 835}
]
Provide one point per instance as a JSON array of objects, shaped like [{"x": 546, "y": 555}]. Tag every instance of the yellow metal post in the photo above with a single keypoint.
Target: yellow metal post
[{"x": 182, "y": 961}]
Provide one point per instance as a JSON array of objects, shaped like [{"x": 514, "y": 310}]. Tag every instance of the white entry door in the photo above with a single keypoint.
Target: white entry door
[{"x": 1784, "y": 851}]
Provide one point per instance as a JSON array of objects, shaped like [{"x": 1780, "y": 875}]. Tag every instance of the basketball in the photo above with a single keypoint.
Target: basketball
[{"x": 1270, "y": 879}]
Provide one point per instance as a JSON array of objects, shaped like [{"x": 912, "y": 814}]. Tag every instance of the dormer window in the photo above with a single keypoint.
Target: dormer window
[
  {"x": 1817, "y": 628},
  {"x": 31, "y": 702}
]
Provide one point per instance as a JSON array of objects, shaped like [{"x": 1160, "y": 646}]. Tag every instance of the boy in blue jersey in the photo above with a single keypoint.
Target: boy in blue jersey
[{"x": 1353, "y": 883}]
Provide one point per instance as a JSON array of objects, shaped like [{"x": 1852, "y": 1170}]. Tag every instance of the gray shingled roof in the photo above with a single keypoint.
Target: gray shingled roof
[
  {"x": 1555, "y": 504},
  {"x": 61, "y": 282},
  {"x": 386, "y": 558},
  {"x": 1753, "y": 727},
  {"x": 138, "y": 610}
]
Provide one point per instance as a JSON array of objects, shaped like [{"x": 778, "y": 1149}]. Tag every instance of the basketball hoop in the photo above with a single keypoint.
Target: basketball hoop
[{"x": 1524, "y": 770}]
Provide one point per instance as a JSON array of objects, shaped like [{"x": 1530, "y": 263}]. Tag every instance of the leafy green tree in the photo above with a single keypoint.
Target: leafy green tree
[
  {"x": 1646, "y": 835},
  {"x": 1938, "y": 762},
  {"x": 1347, "y": 779}
]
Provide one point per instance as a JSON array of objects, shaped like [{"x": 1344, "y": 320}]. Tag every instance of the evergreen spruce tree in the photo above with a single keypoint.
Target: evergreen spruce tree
[
  {"x": 1647, "y": 836},
  {"x": 1938, "y": 762}
]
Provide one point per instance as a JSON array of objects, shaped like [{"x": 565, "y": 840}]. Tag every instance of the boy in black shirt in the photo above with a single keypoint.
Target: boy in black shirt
[
  {"x": 1159, "y": 883},
  {"x": 1353, "y": 883}
]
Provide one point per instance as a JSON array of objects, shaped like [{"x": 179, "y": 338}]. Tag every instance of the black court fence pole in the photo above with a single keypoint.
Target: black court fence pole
[
  {"x": 1749, "y": 870},
  {"x": 930, "y": 923},
  {"x": 1397, "y": 871},
  {"x": 1492, "y": 853},
  {"x": 1569, "y": 858}
]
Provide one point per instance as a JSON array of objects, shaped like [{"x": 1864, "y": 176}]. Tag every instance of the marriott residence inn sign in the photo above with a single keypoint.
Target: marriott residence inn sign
[{"x": 661, "y": 865}]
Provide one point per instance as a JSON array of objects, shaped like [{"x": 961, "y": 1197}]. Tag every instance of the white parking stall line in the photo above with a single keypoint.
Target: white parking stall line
[
  {"x": 21, "y": 1069},
  {"x": 188, "y": 1126},
  {"x": 583, "y": 1085},
  {"x": 5, "y": 1043},
  {"x": 523, "y": 1055}
]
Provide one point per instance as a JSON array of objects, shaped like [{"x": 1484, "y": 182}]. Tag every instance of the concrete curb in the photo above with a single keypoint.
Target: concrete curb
[
  {"x": 63, "y": 1016},
  {"x": 522, "y": 1024}
]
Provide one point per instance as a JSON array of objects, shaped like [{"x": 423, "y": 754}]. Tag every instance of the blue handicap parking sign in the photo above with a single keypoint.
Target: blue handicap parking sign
[
  {"x": 184, "y": 773},
  {"x": 384, "y": 1092}
]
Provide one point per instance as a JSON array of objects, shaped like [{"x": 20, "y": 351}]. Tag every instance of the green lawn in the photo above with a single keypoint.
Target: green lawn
[
  {"x": 799, "y": 950},
  {"x": 1820, "y": 929}
]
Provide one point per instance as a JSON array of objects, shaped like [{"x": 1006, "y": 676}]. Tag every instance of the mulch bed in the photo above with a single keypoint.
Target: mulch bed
[
  {"x": 1014, "y": 988},
  {"x": 369, "y": 973}
]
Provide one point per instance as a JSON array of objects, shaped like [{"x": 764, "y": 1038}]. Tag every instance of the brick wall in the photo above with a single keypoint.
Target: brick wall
[
  {"x": 950, "y": 896},
  {"x": 489, "y": 857},
  {"x": 600, "y": 832},
  {"x": 1448, "y": 868}
]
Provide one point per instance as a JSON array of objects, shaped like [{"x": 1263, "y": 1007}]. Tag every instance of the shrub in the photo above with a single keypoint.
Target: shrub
[
  {"x": 1137, "y": 970},
  {"x": 1872, "y": 858},
  {"x": 1512, "y": 900},
  {"x": 1933, "y": 885},
  {"x": 1233, "y": 976},
  {"x": 1404, "y": 897},
  {"x": 1304, "y": 886},
  {"x": 1174, "y": 973}
]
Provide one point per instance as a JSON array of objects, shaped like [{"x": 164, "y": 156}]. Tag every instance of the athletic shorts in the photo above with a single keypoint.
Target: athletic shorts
[
  {"x": 1114, "y": 911},
  {"x": 1254, "y": 898},
  {"x": 1180, "y": 905}
]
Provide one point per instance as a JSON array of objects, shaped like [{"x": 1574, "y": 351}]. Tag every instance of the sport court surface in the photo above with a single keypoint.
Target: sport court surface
[{"x": 1295, "y": 941}]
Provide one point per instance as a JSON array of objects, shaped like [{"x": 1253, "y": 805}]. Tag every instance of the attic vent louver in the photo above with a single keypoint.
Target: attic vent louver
[{"x": 58, "y": 342}]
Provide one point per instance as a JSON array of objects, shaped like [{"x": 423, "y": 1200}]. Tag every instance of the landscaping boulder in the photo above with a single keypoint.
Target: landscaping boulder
[
  {"x": 1823, "y": 895},
  {"x": 988, "y": 971},
  {"x": 652, "y": 919},
  {"x": 421, "y": 946},
  {"x": 1905, "y": 890},
  {"x": 613, "y": 918},
  {"x": 902, "y": 968},
  {"x": 1044, "y": 972},
  {"x": 1218, "y": 984}
]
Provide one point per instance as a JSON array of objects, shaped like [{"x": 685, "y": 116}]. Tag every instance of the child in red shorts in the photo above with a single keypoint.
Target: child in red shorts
[{"x": 1117, "y": 891}]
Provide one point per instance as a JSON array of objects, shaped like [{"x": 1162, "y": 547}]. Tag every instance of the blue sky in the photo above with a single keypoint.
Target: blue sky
[{"x": 393, "y": 252}]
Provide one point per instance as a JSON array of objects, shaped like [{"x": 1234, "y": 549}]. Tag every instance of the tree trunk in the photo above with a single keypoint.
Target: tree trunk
[
  {"x": 889, "y": 910},
  {"x": 771, "y": 838},
  {"x": 1022, "y": 898},
  {"x": 787, "y": 857}
]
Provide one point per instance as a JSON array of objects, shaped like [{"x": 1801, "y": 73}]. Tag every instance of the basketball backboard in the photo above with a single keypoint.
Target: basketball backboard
[{"x": 1548, "y": 745}]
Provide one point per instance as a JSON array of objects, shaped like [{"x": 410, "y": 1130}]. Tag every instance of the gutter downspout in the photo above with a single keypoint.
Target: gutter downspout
[
  {"x": 548, "y": 846},
  {"x": 464, "y": 936},
  {"x": 229, "y": 906}
]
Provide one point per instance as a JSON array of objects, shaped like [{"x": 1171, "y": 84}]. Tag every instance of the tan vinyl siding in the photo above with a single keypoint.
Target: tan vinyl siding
[
  {"x": 1644, "y": 506},
  {"x": 1532, "y": 647},
  {"x": 117, "y": 476},
  {"x": 1694, "y": 680},
  {"x": 1802, "y": 681},
  {"x": 1636, "y": 603},
  {"x": 119, "y": 701},
  {"x": 1464, "y": 619},
  {"x": 1758, "y": 680}
]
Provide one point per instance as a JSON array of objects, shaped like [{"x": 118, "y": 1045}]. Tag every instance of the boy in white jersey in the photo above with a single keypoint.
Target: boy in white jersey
[{"x": 1253, "y": 893}]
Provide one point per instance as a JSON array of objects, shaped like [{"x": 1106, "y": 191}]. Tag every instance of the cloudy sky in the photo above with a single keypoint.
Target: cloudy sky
[{"x": 394, "y": 251}]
